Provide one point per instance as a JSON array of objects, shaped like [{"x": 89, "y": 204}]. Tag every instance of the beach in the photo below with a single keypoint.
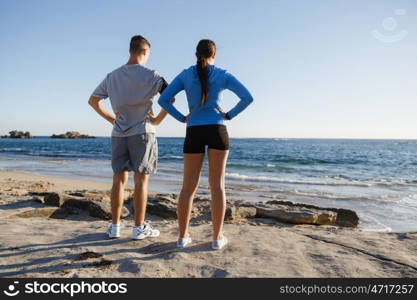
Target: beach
[
  {"x": 33, "y": 243},
  {"x": 375, "y": 178}
]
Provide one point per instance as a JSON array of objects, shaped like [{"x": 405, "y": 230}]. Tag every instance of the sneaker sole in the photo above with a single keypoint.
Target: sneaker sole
[
  {"x": 142, "y": 238},
  {"x": 183, "y": 246},
  {"x": 218, "y": 248}
]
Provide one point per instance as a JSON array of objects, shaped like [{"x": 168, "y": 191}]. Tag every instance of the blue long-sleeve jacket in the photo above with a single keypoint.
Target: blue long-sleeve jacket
[{"x": 219, "y": 80}]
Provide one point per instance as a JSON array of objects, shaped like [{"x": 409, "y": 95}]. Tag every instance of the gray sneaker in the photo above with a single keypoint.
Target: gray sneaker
[
  {"x": 113, "y": 231},
  {"x": 182, "y": 242},
  {"x": 218, "y": 244},
  {"x": 142, "y": 232}
]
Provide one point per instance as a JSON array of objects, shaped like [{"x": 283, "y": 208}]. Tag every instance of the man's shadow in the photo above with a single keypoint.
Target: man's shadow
[{"x": 154, "y": 250}]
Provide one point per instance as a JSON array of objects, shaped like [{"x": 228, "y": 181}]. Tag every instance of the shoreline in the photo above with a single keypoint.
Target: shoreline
[
  {"x": 36, "y": 245},
  {"x": 234, "y": 191},
  {"x": 62, "y": 182}
]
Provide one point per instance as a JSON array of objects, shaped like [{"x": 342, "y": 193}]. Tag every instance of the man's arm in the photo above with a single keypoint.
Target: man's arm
[
  {"x": 99, "y": 108},
  {"x": 162, "y": 114}
]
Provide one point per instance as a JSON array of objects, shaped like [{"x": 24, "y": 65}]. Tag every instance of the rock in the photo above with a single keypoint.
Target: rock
[
  {"x": 53, "y": 199},
  {"x": 238, "y": 210},
  {"x": 63, "y": 212},
  {"x": 102, "y": 209},
  {"x": 39, "y": 199},
  {"x": 297, "y": 215},
  {"x": 165, "y": 206},
  {"x": 18, "y": 135},
  {"x": 97, "y": 194},
  {"x": 346, "y": 217},
  {"x": 72, "y": 135},
  {"x": 162, "y": 205},
  {"x": 42, "y": 194},
  {"x": 97, "y": 204},
  {"x": 238, "y": 213},
  {"x": 343, "y": 217},
  {"x": 55, "y": 213},
  {"x": 96, "y": 207},
  {"x": 78, "y": 203}
]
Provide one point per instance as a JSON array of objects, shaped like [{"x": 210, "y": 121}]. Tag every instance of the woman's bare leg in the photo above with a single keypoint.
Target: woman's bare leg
[
  {"x": 217, "y": 164},
  {"x": 192, "y": 168}
]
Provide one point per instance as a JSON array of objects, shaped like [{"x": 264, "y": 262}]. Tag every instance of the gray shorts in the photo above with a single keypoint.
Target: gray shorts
[{"x": 138, "y": 153}]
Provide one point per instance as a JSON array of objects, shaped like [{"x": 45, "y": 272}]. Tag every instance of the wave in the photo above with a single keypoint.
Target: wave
[
  {"x": 56, "y": 154},
  {"x": 261, "y": 167},
  {"x": 372, "y": 224},
  {"x": 304, "y": 161},
  {"x": 170, "y": 171},
  {"x": 14, "y": 150},
  {"x": 174, "y": 157},
  {"x": 238, "y": 176},
  {"x": 346, "y": 181},
  {"x": 323, "y": 196}
]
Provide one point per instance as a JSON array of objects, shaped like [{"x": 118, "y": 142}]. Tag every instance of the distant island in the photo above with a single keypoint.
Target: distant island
[
  {"x": 15, "y": 134},
  {"x": 72, "y": 135}
]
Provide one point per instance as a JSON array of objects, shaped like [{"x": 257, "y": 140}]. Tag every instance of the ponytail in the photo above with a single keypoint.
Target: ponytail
[
  {"x": 205, "y": 50},
  {"x": 203, "y": 76}
]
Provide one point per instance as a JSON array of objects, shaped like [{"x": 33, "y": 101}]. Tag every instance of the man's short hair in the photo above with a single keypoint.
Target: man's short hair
[{"x": 138, "y": 43}]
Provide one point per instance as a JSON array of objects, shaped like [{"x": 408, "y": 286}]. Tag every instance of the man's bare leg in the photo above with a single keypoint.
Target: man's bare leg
[
  {"x": 141, "y": 197},
  {"x": 117, "y": 195}
]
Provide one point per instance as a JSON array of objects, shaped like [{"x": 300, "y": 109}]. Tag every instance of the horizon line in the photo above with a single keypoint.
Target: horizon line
[{"x": 279, "y": 138}]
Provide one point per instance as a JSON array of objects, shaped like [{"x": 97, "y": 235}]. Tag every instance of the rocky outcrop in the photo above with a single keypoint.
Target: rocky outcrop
[
  {"x": 314, "y": 214},
  {"x": 162, "y": 205},
  {"x": 237, "y": 213},
  {"x": 53, "y": 199},
  {"x": 97, "y": 204},
  {"x": 15, "y": 134},
  {"x": 165, "y": 205},
  {"x": 72, "y": 135},
  {"x": 98, "y": 207},
  {"x": 54, "y": 213},
  {"x": 296, "y": 215}
]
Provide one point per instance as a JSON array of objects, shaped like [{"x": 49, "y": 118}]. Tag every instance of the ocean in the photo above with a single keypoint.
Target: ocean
[{"x": 376, "y": 178}]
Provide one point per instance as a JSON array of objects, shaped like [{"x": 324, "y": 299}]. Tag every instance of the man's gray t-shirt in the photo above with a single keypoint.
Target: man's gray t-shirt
[{"x": 131, "y": 89}]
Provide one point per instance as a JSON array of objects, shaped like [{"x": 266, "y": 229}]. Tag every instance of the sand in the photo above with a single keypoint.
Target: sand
[{"x": 78, "y": 246}]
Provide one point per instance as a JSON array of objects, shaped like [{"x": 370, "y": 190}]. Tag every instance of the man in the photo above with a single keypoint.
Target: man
[{"x": 131, "y": 89}]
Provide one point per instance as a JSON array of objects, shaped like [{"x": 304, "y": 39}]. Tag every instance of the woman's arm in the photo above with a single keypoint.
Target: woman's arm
[
  {"x": 241, "y": 91},
  {"x": 163, "y": 113},
  {"x": 164, "y": 101}
]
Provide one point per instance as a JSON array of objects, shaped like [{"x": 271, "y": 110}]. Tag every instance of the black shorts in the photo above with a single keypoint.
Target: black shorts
[{"x": 214, "y": 136}]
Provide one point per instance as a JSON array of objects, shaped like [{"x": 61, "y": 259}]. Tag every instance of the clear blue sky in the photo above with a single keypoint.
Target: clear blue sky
[{"x": 315, "y": 68}]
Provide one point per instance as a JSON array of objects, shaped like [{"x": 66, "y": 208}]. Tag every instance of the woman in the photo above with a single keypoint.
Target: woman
[{"x": 203, "y": 84}]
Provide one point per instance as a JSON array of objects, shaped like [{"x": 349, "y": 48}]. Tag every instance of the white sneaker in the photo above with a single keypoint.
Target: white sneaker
[
  {"x": 218, "y": 244},
  {"x": 113, "y": 231},
  {"x": 144, "y": 231},
  {"x": 182, "y": 242}
]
